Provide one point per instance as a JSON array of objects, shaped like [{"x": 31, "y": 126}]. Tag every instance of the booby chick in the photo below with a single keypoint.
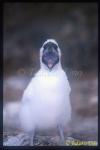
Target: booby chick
[{"x": 46, "y": 101}]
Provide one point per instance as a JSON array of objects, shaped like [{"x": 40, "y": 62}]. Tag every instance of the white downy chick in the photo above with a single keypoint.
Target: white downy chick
[{"x": 46, "y": 100}]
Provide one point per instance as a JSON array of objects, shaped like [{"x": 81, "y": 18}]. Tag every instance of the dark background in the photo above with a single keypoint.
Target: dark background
[{"x": 75, "y": 27}]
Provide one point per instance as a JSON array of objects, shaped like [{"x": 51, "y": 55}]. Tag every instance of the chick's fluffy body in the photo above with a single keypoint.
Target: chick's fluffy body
[{"x": 46, "y": 100}]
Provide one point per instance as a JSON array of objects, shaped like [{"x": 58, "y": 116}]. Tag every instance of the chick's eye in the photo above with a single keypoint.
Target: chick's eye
[{"x": 55, "y": 46}]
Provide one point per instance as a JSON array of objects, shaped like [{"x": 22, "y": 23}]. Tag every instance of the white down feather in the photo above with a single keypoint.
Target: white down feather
[{"x": 46, "y": 100}]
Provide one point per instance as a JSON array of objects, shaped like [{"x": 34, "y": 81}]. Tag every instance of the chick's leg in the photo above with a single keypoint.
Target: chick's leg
[
  {"x": 60, "y": 128},
  {"x": 32, "y": 134}
]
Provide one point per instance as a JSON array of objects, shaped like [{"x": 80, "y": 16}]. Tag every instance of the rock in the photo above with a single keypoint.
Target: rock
[{"x": 19, "y": 140}]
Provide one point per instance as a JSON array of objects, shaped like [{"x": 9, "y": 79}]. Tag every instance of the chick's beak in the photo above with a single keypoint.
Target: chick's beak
[{"x": 50, "y": 63}]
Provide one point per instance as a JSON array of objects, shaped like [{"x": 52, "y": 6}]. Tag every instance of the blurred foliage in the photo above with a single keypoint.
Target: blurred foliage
[{"x": 73, "y": 25}]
